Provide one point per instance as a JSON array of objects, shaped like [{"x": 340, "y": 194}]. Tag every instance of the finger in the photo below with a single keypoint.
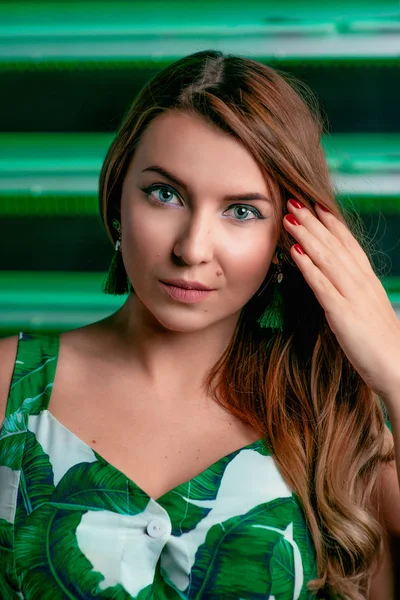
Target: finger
[
  {"x": 326, "y": 293},
  {"x": 342, "y": 233},
  {"x": 335, "y": 235},
  {"x": 329, "y": 256}
]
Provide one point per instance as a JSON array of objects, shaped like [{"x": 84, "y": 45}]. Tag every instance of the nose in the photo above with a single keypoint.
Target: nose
[{"x": 194, "y": 243}]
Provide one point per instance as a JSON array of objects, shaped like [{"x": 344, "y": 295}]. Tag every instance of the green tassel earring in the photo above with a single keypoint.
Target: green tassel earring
[
  {"x": 272, "y": 318},
  {"x": 117, "y": 282}
]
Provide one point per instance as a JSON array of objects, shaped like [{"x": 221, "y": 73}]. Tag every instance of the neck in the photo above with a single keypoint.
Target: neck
[{"x": 167, "y": 358}]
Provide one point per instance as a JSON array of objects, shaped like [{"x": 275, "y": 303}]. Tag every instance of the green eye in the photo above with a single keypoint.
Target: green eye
[
  {"x": 242, "y": 210},
  {"x": 163, "y": 189}
]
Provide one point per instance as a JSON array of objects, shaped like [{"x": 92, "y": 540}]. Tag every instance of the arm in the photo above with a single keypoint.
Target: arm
[
  {"x": 385, "y": 582},
  {"x": 393, "y": 406},
  {"x": 8, "y": 352}
]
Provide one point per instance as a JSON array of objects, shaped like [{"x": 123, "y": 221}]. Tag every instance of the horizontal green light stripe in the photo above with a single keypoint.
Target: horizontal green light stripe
[
  {"x": 372, "y": 51},
  {"x": 54, "y": 301},
  {"x": 84, "y": 152},
  {"x": 64, "y": 34},
  {"x": 93, "y": 14},
  {"x": 47, "y": 173}
]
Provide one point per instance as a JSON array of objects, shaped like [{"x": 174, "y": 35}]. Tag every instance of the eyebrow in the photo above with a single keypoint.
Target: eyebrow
[{"x": 229, "y": 198}]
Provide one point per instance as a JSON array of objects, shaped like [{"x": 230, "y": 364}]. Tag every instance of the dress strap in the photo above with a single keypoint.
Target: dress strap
[{"x": 34, "y": 371}]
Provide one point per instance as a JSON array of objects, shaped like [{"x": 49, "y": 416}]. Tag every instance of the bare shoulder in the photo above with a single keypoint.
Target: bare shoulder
[
  {"x": 8, "y": 353},
  {"x": 78, "y": 345}
]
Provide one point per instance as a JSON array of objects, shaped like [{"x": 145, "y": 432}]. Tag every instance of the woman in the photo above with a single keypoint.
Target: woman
[{"x": 222, "y": 434}]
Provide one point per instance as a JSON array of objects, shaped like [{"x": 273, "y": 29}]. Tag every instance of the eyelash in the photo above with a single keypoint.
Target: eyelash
[{"x": 151, "y": 188}]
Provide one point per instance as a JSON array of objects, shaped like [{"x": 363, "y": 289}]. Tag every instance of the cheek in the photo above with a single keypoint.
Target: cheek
[
  {"x": 247, "y": 263},
  {"x": 144, "y": 239}
]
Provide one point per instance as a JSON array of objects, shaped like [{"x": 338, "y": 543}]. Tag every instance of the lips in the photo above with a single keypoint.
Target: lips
[
  {"x": 186, "y": 285},
  {"x": 185, "y": 295}
]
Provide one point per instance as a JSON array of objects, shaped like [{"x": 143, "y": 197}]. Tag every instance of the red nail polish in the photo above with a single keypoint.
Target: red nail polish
[
  {"x": 323, "y": 208},
  {"x": 299, "y": 249},
  {"x": 292, "y": 220},
  {"x": 296, "y": 203}
]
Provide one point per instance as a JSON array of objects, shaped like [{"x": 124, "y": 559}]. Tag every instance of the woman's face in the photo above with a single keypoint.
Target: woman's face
[{"x": 195, "y": 230}]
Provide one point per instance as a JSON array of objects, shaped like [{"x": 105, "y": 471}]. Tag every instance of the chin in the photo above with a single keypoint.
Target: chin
[
  {"x": 180, "y": 319},
  {"x": 182, "y": 325}
]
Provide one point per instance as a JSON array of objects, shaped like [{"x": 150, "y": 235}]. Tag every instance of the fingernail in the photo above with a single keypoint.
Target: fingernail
[
  {"x": 323, "y": 208},
  {"x": 296, "y": 203},
  {"x": 299, "y": 249},
  {"x": 292, "y": 220}
]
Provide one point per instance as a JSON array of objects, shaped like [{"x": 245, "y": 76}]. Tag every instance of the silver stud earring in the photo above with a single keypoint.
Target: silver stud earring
[{"x": 117, "y": 226}]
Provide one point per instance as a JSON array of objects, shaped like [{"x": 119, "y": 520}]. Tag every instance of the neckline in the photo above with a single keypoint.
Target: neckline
[
  {"x": 256, "y": 444},
  {"x": 259, "y": 443}
]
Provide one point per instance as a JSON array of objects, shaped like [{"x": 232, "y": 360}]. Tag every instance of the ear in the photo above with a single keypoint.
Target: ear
[{"x": 275, "y": 259}]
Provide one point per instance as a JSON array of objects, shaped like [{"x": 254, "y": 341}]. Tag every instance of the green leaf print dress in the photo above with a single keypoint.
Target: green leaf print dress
[{"x": 73, "y": 527}]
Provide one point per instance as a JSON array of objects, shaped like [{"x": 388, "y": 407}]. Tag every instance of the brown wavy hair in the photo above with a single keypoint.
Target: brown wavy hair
[{"x": 323, "y": 424}]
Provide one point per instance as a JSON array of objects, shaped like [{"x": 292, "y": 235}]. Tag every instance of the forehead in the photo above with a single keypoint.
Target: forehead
[{"x": 197, "y": 151}]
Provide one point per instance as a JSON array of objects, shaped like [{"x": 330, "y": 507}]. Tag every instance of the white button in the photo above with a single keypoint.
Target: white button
[{"x": 156, "y": 528}]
